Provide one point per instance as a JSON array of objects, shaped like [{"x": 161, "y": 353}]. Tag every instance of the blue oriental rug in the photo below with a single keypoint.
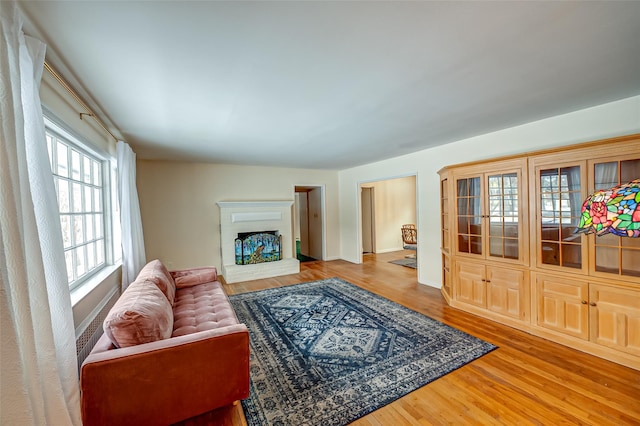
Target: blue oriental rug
[{"x": 328, "y": 352}]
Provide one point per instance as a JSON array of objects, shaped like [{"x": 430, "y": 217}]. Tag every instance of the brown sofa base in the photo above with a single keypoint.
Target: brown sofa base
[
  {"x": 204, "y": 365},
  {"x": 164, "y": 382}
]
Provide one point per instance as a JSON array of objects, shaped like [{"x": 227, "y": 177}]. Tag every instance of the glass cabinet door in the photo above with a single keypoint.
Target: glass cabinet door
[
  {"x": 444, "y": 219},
  {"x": 504, "y": 227},
  {"x": 488, "y": 215},
  {"x": 559, "y": 215},
  {"x": 614, "y": 254},
  {"x": 469, "y": 215}
]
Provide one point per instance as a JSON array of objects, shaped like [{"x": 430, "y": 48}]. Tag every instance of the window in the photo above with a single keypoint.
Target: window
[{"x": 81, "y": 183}]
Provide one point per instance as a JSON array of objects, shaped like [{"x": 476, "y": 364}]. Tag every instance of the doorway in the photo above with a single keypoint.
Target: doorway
[
  {"x": 385, "y": 206},
  {"x": 309, "y": 222}
]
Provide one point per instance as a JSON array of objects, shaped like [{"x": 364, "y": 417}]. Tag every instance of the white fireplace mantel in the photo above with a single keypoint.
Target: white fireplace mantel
[
  {"x": 253, "y": 216},
  {"x": 257, "y": 204}
]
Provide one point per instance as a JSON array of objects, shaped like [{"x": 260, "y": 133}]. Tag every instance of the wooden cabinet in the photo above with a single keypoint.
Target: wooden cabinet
[
  {"x": 489, "y": 230},
  {"x": 445, "y": 237},
  {"x": 471, "y": 285},
  {"x": 615, "y": 318},
  {"x": 497, "y": 290},
  {"x": 507, "y": 292},
  {"x": 510, "y": 251},
  {"x": 605, "y": 315},
  {"x": 562, "y": 305}
]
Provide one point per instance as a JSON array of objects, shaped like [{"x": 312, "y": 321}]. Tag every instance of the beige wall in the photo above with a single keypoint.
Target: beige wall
[
  {"x": 608, "y": 120},
  {"x": 180, "y": 216},
  {"x": 394, "y": 205}
]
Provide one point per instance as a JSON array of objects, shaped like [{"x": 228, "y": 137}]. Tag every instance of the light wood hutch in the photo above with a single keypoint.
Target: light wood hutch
[{"x": 510, "y": 254}]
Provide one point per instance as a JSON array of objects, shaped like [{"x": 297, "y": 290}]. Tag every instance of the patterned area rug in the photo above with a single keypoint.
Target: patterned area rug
[
  {"x": 408, "y": 262},
  {"x": 328, "y": 352}
]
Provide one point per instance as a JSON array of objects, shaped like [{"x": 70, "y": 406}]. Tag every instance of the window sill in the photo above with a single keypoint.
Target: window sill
[{"x": 79, "y": 293}]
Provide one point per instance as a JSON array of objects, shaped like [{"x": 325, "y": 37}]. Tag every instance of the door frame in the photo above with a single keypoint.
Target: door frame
[{"x": 359, "y": 213}]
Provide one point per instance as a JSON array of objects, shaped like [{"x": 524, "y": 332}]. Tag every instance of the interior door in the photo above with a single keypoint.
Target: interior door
[
  {"x": 315, "y": 223},
  {"x": 303, "y": 220},
  {"x": 367, "y": 220}
]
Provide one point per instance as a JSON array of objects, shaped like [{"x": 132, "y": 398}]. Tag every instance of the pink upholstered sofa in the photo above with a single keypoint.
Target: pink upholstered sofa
[{"x": 172, "y": 349}]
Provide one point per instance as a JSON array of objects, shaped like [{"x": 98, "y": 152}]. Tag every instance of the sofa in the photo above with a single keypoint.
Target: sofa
[{"x": 172, "y": 349}]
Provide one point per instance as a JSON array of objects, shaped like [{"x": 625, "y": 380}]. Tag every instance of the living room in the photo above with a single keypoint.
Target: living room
[{"x": 180, "y": 217}]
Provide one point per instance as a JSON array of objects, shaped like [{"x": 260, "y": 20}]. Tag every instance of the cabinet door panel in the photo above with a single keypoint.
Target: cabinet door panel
[
  {"x": 469, "y": 215},
  {"x": 503, "y": 214},
  {"x": 559, "y": 194},
  {"x": 615, "y": 318},
  {"x": 562, "y": 305},
  {"x": 505, "y": 292},
  {"x": 471, "y": 284},
  {"x": 446, "y": 275},
  {"x": 610, "y": 254}
]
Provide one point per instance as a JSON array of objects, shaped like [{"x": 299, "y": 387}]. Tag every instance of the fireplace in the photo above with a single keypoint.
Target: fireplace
[{"x": 268, "y": 253}]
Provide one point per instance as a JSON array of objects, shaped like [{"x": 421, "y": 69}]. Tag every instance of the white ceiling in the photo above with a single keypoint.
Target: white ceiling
[{"x": 334, "y": 84}]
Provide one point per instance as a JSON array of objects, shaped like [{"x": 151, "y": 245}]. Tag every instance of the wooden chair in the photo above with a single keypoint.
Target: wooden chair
[{"x": 409, "y": 238}]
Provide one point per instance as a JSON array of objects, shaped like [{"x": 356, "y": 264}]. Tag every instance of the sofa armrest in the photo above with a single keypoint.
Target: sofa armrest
[
  {"x": 165, "y": 381},
  {"x": 194, "y": 276}
]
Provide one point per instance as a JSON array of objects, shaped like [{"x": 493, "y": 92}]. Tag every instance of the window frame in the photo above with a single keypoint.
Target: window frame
[{"x": 107, "y": 166}]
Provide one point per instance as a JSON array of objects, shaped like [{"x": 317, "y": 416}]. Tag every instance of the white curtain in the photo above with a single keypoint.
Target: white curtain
[
  {"x": 38, "y": 353},
  {"x": 133, "y": 256},
  {"x": 606, "y": 175}
]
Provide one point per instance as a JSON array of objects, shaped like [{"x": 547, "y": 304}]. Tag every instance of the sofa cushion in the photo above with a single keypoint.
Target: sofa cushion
[
  {"x": 195, "y": 276},
  {"x": 156, "y": 272},
  {"x": 201, "y": 307},
  {"x": 142, "y": 314}
]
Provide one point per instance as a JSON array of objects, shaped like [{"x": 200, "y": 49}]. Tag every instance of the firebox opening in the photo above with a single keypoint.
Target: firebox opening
[{"x": 258, "y": 247}]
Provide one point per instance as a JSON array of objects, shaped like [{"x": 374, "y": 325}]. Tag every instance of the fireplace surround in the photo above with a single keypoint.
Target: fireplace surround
[{"x": 238, "y": 218}]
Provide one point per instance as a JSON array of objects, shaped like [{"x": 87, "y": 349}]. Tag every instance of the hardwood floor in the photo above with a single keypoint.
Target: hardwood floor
[{"x": 527, "y": 380}]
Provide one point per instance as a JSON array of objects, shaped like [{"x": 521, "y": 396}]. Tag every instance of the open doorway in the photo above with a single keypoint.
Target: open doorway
[
  {"x": 386, "y": 206},
  {"x": 309, "y": 222}
]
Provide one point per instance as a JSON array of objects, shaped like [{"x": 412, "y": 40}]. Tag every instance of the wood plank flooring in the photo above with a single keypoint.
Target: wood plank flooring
[{"x": 528, "y": 380}]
